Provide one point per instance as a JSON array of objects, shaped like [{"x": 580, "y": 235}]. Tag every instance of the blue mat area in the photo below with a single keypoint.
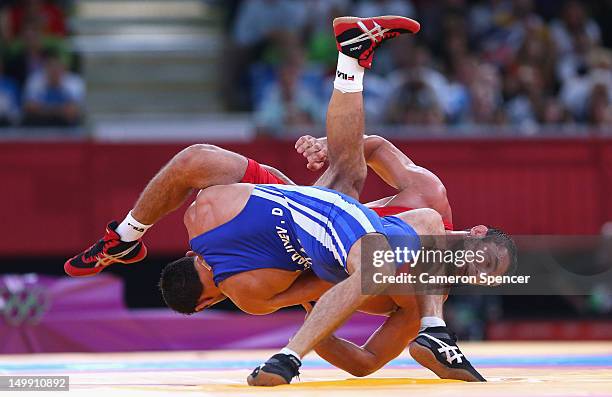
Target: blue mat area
[{"x": 502, "y": 361}]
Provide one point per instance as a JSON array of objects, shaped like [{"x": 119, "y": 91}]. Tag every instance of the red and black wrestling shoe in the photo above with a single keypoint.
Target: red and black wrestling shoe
[
  {"x": 108, "y": 250},
  {"x": 359, "y": 37}
]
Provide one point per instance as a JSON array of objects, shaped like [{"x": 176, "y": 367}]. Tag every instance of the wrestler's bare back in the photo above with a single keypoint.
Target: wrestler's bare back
[{"x": 263, "y": 291}]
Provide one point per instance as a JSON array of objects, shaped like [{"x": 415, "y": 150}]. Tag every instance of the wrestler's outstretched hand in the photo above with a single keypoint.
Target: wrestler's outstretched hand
[{"x": 314, "y": 151}]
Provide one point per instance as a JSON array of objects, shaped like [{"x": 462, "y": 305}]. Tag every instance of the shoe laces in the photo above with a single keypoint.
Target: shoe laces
[
  {"x": 95, "y": 249},
  {"x": 378, "y": 43}
]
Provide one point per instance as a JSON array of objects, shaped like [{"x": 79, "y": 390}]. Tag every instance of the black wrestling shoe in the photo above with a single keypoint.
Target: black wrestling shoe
[
  {"x": 436, "y": 348},
  {"x": 278, "y": 370}
]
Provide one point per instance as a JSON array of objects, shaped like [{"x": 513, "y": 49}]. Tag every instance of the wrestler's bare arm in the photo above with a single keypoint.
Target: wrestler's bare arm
[
  {"x": 386, "y": 343},
  {"x": 417, "y": 187},
  {"x": 307, "y": 288},
  {"x": 381, "y": 155}
]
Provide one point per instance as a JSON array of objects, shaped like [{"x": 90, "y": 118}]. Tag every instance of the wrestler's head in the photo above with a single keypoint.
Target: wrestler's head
[
  {"x": 498, "y": 251},
  {"x": 187, "y": 286}
]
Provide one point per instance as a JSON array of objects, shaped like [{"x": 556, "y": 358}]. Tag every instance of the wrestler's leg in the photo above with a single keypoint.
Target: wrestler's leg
[
  {"x": 345, "y": 127},
  {"x": 357, "y": 39},
  {"x": 195, "y": 167},
  {"x": 337, "y": 304}
]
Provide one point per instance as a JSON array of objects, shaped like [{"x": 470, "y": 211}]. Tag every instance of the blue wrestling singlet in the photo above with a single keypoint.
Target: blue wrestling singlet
[{"x": 291, "y": 228}]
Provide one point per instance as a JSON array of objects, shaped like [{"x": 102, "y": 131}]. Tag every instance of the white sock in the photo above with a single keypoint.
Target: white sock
[
  {"x": 130, "y": 229},
  {"x": 427, "y": 322},
  {"x": 284, "y": 350},
  {"x": 349, "y": 75}
]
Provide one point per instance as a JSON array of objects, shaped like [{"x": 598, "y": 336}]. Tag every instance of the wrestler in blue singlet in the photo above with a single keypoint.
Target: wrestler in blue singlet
[{"x": 295, "y": 228}]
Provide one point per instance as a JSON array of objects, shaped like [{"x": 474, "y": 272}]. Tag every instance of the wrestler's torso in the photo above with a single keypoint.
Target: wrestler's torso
[
  {"x": 237, "y": 231},
  {"x": 283, "y": 227},
  {"x": 254, "y": 245},
  {"x": 218, "y": 205}
]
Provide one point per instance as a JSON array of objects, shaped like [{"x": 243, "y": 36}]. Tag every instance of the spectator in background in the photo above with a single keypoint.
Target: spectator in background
[
  {"x": 460, "y": 73},
  {"x": 261, "y": 29},
  {"x": 573, "y": 22},
  {"x": 322, "y": 43},
  {"x": 414, "y": 59},
  {"x": 368, "y": 8},
  {"x": 25, "y": 54},
  {"x": 575, "y": 36},
  {"x": 529, "y": 83},
  {"x": 457, "y": 64},
  {"x": 539, "y": 52},
  {"x": 577, "y": 62},
  {"x": 599, "y": 108},
  {"x": 554, "y": 113},
  {"x": 523, "y": 107},
  {"x": 288, "y": 104},
  {"x": 415, "y": 103},
  {"x": 415, "y": 68},
  {"x": 474, "y": 62},
  {"x": 258, "y": 20},
  {"x": 576, "y": 91},
  {"x": 509, "y": 32},
  {"x": 53, "y": 96},
  {"x": 485, "y": 95},
  {"x": 46, "y": 14},
  {"x": 9, "y": 108}
]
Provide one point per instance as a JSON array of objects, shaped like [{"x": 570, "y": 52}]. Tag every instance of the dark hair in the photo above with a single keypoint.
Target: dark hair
[
  {"x": 180, "y": 285},
  {"x": 502, "y": 239}
]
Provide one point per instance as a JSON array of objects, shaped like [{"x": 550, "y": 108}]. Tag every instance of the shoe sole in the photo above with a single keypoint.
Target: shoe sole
[
  {"x": 426, "y": 358},
  {"x": 340, "y": 20},
  {"x": 73, "y": 271},
  {"x": 266, "y": 379}
]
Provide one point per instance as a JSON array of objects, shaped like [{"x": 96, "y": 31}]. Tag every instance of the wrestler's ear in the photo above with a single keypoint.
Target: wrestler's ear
[
  {"x": 208, "y": 302},
  {"x": 200, "y": 261}
]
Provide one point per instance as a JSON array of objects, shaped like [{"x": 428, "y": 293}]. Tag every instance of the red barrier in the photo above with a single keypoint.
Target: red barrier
[{"x": 57, "y": 197}]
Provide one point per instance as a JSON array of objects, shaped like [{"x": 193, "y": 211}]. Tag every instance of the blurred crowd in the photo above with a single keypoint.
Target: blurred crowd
[
  {"x": 523, "y": 63},
  {"x": 39, "y": 83}
]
